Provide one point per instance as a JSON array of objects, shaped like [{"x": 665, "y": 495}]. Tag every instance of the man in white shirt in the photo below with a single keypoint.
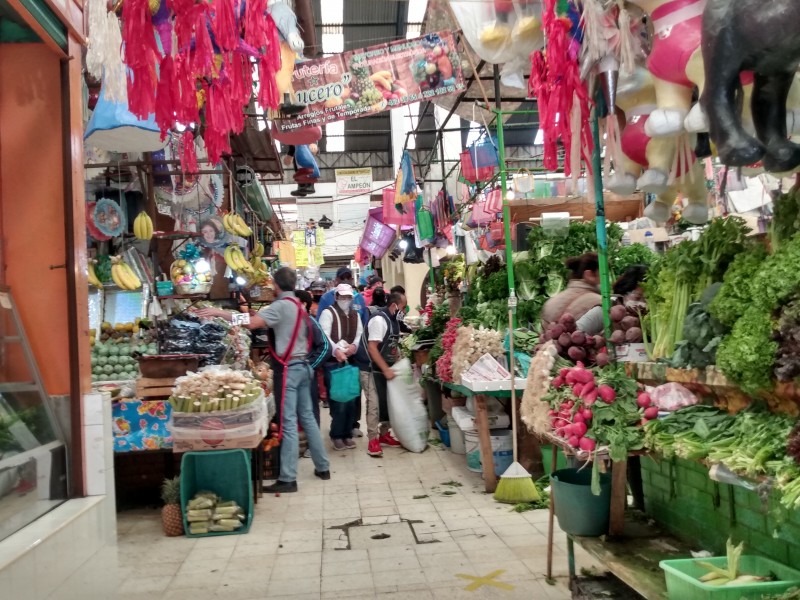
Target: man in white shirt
[
  {"x": 383, "y": 341},
  {"x": 342, "y": 324}
]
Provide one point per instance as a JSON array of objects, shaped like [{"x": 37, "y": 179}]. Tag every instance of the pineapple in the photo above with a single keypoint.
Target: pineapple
[{"x": 171, "y": 517}]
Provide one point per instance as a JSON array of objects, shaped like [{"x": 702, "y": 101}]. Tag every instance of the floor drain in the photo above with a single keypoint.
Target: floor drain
[{"x": 381, "y": 536}]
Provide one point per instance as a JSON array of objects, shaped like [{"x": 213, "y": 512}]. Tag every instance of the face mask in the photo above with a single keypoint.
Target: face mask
[
  {"x": 344, "y": 304},
  {"x": 401, "y": 316}
]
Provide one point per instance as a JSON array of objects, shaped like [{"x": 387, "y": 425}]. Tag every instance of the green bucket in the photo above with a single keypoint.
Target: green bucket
[{"x": 579, "y": 511}]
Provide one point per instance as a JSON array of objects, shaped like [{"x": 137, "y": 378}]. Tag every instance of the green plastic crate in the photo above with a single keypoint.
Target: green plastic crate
[
  {"x": 224, "y": 472},
  {"x": 682, "y": 582}
]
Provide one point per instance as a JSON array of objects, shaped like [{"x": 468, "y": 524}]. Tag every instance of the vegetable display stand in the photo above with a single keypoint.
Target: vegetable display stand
[
  {"x": 683, "y": 583},
  {"x": 482, "y": 427},
  {"x": 224, "y": 472}
]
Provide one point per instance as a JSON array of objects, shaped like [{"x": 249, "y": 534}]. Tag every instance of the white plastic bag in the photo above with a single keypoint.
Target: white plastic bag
[
  {"x": 672, "y": 396},
  {"x": 407, "y": 413}
]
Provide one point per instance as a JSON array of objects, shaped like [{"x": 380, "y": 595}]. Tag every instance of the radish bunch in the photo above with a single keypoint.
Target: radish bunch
[
  {"x": 626, "y": 325},
  {"x": 598, "y": 407},
  {"x": 444, "y": 366},
  {"x": 575, "y": 345}
]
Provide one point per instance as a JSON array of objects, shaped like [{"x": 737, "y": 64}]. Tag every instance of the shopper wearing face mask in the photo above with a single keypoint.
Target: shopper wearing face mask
[
  {"x": 342, "y": 324},
  {"x": 383, "y": 344}
]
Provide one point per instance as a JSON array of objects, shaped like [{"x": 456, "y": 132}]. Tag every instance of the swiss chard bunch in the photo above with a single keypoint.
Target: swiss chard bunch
[{"x": 702, "y": 335}]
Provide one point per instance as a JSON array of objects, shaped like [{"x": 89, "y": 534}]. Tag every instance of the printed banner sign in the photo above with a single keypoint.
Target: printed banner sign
[
  {"x": 363, "y": 82},
  {"x": 352, "y": 182}
]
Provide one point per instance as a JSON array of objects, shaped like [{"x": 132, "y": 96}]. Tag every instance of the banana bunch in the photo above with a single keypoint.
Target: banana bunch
[
  {"x": 123, "y": 275},
  {"x": 143, "y": 226},
  {"x": 383, "y": 79},
  {"x": 259, "y": 250},
  {"x": 261, "y": 272},
  {"x": 235, "y": 225},
  {"x": 236, "y": 260},
  {"x": 93, "y": 278}
]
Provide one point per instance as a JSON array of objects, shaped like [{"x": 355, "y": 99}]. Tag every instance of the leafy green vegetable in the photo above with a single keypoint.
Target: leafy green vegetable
[
  {"x": 779, "y": 276},
  {"x": 702, "y": 336},
  {"x": 628, "y": 256},
  {"x": 747, "y": 355},
  {"x": 786, "y": 218},
  {"x": 493, "y": 287},
  {"x": 735, "y": 295}
]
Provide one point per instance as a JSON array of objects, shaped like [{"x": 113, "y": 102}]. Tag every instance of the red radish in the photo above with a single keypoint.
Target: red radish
[
  {"x": 607, "y": 393},
  {"x": 588, "y": 388},
  {"x": 644, "y": 421},
  {"x": 552, "y": 413},
  {"x": 569, "y": 403},
  {"x": 643, "y": 400},
  {"x": 557, "y": 382},
  {"x": 579, "y": 429},
  {"x": 578, "y": 418},
  {"x": 582, "y": 375},
  {"x": 587, "y": 414},
  {"x": 571, "y": 377},
  {"x": 587, "y": 444},
  {"x": 577, "y": 389},
  {"x": 564, "y": 371},
  {"x": 574, "y": 441},
  {"x": 651, "y": 412},
  {"x": 560, "y": 423},
  {"x": 590, "y": 398}
]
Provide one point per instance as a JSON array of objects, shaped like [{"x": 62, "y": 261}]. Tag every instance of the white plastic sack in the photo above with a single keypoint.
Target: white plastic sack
[{"x": 407, "y": 413}]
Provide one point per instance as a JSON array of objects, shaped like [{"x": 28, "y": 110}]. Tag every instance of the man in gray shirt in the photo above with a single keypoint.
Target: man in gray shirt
[{"x": 290, "y": 324}]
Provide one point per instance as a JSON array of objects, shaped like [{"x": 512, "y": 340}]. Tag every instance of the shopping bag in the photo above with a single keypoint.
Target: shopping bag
[
  {"x": 407, "y": 413},
  {"x": 470, "y": 172},
  {"x": 391, "y": 214},
  {"x": 425, "y": 227},
  {"x": 484, "y": 153},
  {"x": 523, "y": 181},
  {"x": 494, "y": 201},
  {"x": 482, "y": 214},
  {"x": 345, "y": 384}
]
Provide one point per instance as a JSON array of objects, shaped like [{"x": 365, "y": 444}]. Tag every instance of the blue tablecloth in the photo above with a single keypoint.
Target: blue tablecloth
[{"x": 141, "y": 425}]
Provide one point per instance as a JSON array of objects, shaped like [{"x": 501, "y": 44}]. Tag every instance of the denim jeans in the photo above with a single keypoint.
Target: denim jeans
[
  {"x": 343, "y": 414},
  {"x": 297, "y": 405}
]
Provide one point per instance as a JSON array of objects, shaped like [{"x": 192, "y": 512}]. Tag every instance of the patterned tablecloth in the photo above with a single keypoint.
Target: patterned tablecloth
[{"x": 141, "y": 425}]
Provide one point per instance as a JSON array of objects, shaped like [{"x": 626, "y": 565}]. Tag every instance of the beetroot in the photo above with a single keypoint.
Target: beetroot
[
  {"x": 643, "y": 400},
  {"x": 629, "y": 322},
  {"x": 578, "y": 338},
  {"x": 602, "y": 359},
  {"x": 579, "y": 429},
  {"x": 618, "y": 337},
  {"x": 565, "y": 340},
  {"x": 651, "y": 412},
  {"x": 576, "y": 353},
  {"x": 574, "y": 441},
  {"x": 634, "y": 335},
  {"x": 556, "y": 330},
  {"x": 589, "y": 341},
  {"x": 618, "y": 313},
  {"x": 568, "y": 322},
  {"x": 607, "y": 393},
  {"x": 587, "y": 444},
  {"x": 599, "y": 342},
  {"x": 590, "y": 398}
]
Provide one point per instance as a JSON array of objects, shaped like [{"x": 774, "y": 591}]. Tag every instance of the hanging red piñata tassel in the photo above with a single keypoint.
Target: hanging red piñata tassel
[
  {"x": 241, "y": 73},
  {"x": 224, "y": 25},
  {"x": 188, "y": 153},
  {"x": 203, "y": 60},
  {"x": 184, "y": 23},
  {"x": 166, "y": 96},
  {"x": 255, "y": 33},
  {"x": 186, "y": 110},
  {"x": 141, "y": 55}
]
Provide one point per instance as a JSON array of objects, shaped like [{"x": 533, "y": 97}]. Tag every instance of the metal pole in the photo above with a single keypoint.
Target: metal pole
[{"x": 600, "y": 220}]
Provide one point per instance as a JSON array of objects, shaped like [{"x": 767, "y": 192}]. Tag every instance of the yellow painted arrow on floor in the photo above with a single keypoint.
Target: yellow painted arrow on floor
[{"x": 488, "y": 580}]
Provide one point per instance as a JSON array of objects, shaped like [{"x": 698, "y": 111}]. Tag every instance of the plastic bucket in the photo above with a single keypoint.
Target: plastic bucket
[
  {"x": 580, "y": 512},
  {"x": 457, "y": 445},
  {"x": 444, "y": 434},
  {"x": 501, "y": 450}
]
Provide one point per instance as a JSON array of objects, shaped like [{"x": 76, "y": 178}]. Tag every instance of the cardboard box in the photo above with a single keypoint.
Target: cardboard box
[{"x": 632, "y": 353}]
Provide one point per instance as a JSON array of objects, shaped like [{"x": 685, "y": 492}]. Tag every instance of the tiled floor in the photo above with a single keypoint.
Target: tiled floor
[{"x": 441, "y": 527}]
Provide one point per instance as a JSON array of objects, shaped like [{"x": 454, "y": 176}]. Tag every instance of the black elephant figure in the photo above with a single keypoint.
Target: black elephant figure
[{"x": 762, "y": 36}]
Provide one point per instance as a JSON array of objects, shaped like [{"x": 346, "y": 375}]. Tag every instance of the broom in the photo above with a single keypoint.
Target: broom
[{"x": 516, "y": 484}]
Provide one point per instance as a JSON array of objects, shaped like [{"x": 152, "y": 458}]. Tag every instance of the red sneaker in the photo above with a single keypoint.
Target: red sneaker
[
  {"x": 387, "y": 439},
  {"x": 374, "y": 447}
]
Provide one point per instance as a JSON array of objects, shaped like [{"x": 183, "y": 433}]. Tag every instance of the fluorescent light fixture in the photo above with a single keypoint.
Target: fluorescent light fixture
[{"x": 202, "y": 266}]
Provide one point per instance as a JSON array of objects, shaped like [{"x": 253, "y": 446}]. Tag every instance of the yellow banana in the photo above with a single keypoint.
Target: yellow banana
[
  {"x": 229, "y": 260},
  {"x": 117, "y": 277},
  {"x": 381, "y": 81},
  {"x": 93, "y": 279},
  {"x": 131, "y": 278},
  {"x": 227, "y": 222},
  {"x": 259, "y": 250},
  {"x": 143, "y": 226},
  {"x": 241, "y": 227},
  {"x": 385, "y": 74},
  {"x": 239, "y": 259}
]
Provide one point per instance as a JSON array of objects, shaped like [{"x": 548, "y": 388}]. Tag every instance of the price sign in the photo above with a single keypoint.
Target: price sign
[{"x": 240, "y": 318}]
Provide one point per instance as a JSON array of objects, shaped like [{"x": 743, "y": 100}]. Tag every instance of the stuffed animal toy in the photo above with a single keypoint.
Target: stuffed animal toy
[
  {"x": 762, "y": 37},
  {"x": 636, "y": 98}
]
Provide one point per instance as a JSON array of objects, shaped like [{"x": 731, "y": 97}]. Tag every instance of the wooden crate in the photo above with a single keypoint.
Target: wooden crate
[{"x": 149, "y": 388}]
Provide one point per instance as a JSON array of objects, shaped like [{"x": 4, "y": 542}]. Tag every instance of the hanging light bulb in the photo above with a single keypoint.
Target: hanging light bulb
[
  {"x": 202, "y": 266},
  {"x": 510, "y": 195},
  {"x": 240, "y": 280},
  {"x": 403, "y": 244}
]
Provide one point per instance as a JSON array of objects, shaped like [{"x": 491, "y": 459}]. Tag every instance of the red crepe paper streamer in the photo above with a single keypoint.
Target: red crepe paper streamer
[
  {"x": 141, "y": 56},
  {"x": 188, "y": 153},
  {"x": 167, "y": 96},
  {"x": 224, "y": 25}
]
